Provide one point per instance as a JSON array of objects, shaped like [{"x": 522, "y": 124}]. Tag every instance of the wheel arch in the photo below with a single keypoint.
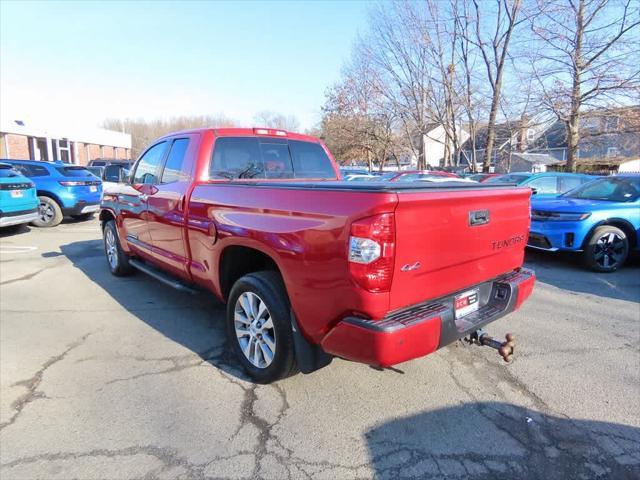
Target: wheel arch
[
  {"x": 620, "y": 223},
  {"x": 52, "y": 196},
  {"x": 237, "y": 261}
]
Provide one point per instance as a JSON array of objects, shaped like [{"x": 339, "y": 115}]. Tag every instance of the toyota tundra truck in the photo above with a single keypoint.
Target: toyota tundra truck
[{"x": 311, "y": 267}]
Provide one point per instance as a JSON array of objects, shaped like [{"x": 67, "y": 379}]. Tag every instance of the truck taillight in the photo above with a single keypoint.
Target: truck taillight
[{"x": 372, "y": 252}]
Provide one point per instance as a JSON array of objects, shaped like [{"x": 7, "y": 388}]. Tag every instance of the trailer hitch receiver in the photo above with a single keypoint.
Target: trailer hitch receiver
[{"x": 505, "y": 349}]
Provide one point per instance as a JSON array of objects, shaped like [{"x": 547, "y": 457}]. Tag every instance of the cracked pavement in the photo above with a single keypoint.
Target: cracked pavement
[{"x": 110, "y": 378}]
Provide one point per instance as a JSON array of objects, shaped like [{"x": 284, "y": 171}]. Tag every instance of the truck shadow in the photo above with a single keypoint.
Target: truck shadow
[
  {"x": 194, "y": 321},
  {"x": 492, "y": 440},
  {"x": 564, "y": 270}
]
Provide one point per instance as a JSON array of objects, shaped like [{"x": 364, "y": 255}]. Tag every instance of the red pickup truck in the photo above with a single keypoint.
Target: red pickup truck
[{"x": 312, "y": 267}]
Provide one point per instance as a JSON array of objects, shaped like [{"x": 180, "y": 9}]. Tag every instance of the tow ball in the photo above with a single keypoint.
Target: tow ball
[{"x": 505, "y": 349}]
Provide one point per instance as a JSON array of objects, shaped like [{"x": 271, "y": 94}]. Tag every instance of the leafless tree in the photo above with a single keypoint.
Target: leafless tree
[
  {"x": 143, "y": 132},
  {"x": 492, "y": 37},
  {"x": 269, "y": 119},
  {"x": 586, "y": 57}
]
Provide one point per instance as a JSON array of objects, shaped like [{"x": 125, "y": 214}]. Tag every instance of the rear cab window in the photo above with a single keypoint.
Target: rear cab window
[{"x": 269, "y": 158}]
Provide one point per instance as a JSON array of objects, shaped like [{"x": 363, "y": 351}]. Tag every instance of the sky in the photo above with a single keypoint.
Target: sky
[{"x": 81, "y": 62}]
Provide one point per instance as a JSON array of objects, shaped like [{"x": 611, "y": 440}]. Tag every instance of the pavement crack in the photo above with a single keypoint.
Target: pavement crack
[
  {"x": 29, "y": 276},
  {"x": 32, "y": 384}
]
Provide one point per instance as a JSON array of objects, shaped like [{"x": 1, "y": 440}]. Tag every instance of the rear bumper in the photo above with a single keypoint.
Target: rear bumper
[
  {"x": 421, "y": 329},
  {"x": 16, "y": 218},
  {"x": 82, "y": 207}
]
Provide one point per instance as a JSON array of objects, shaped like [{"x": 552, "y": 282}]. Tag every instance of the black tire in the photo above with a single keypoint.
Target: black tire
[
  {"x": 83, "y": 216},
  {"x": 118, "y": 261},
  {"x": 269, "y": 288},
  {"x": 606, "y": 250},
  {"x": 49, "y": 213}
]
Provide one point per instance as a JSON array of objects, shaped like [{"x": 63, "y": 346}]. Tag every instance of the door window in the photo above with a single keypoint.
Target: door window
[
  {"x": 544, "y": 184},
  {"x": 147, "y": 169},
  {"x": 174, "y": 168},
  {"x": 569, "y": 183}
]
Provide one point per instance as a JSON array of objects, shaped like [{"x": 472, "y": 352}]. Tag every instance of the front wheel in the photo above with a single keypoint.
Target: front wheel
[
  {"x": 607, "y": 249},
  {"x": 116, "y": 258},
  {"x": 49, "y": 213},
  {"x": 259, "y": 327}
]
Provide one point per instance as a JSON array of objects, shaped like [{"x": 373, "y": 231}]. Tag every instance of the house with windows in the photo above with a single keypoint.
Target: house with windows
[
  {"x": 608, "y": 138},
  {"x": 22, "y": 140}
]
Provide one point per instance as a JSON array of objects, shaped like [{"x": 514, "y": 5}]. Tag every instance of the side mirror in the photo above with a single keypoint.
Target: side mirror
[{"x": 534, "y": 191}]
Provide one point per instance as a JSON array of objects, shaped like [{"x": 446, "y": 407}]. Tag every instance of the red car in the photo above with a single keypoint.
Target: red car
[{"x": 311, "y": 267}]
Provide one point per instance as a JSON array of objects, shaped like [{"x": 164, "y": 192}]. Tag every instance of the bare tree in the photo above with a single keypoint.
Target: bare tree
[
  {"x": 586, "y": 59},
  {"x": 269, "y": 119},
  {"x": 491, "y": 38},
  {"x": 143, "y": 132}
]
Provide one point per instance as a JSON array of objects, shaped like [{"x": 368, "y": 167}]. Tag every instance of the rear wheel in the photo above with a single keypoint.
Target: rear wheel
[
  {"x": 607, "y": 249},
  {"x": 116, "y": 258},
  {"x": 259, "y": 327},
  {"x": 49, "y": 213}
]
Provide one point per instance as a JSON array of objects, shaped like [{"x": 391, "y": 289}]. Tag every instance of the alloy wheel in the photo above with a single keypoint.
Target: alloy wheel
[
  {"x": 609, "y": 250},
  {"x": 254, "y": 330},
  {"x": 46, "y": 212},
  {"x": 111, "y": 248}
]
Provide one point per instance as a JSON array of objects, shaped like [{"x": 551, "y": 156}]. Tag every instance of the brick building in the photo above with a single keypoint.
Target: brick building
[{"x": 21, "y": 140}]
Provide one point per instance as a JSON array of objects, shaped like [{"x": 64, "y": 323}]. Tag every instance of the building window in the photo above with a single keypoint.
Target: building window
[
  {"x": 531, "y": 134},
  {"x": 611, "y": 124},
  {"x": 38, "y": 149},
  {"x": 612, "y": 152},
  {"x": 64, "y": 150}
]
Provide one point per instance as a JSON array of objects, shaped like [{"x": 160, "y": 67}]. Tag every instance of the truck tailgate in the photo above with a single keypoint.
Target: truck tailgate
[{"x": 447, "y": 241}]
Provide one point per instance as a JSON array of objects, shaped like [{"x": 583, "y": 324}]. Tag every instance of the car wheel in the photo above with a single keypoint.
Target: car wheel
[
  {"x": 82, "y": 216},
  {"x": 49, "y": 213},
  {"x": 116, "y": 258},
  {"x": 607, "y": 249},
  {"x": 259, "y": 327}
]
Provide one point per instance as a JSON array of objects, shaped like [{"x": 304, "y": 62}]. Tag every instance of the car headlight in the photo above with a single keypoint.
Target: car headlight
[{"x": 542, "y": 216}]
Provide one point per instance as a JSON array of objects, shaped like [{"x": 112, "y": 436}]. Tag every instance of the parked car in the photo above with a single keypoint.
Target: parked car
[
  {"x": 480, "y": 177},
  {"x": 111, "y": 174},
  {"x": 18, "y": 199},
  {"x": 545, "y": 184},
  {"x": 416, "y": 175},
  {"x": 62, "y": 189},
  {"x": 103, "y": 162},
  {"x": 312, "y": 267},
  {"x": 600, "y": 219}
]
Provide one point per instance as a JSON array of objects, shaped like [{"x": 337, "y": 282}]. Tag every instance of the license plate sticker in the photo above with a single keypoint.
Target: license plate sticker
[
  {"x": 93, "y": 188},
  {"x": 466, "y": 303},
  {"x": 16, "y": 194}
]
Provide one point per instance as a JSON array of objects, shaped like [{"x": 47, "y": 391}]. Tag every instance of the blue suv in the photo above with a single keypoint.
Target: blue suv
[
  {"x": 18, "y": 201},
  {"x": 62, "y": 189},
  {"x": 600, "y": 219}
]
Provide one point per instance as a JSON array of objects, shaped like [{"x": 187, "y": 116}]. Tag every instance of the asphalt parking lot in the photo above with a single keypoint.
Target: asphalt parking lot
[{"x": 112, "y": 378}]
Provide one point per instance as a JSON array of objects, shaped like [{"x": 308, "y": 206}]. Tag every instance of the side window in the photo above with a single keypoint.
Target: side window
[
  {"x": 569, "y": 183},
  {"x": 236, "y": 157},
  {"x": 147, "y": 168},
  {"x": 545, "y": 184},
  {"x": 31, "y": 170},
  {"x": 174, "y": 168}
]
